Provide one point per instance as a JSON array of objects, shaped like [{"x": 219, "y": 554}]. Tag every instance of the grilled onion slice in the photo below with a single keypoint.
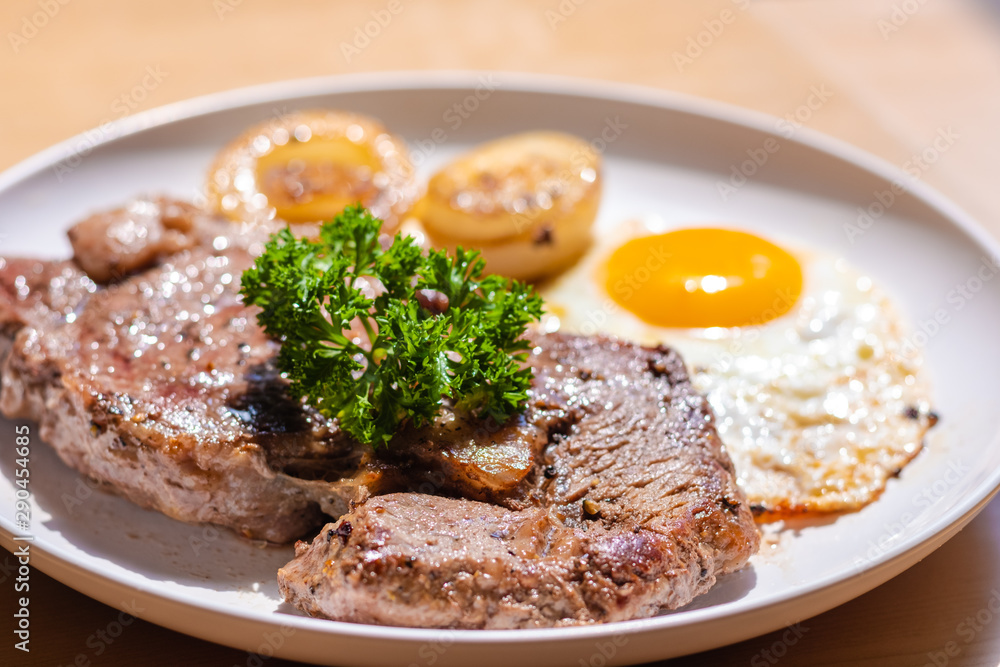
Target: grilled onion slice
[
  {"x": 527, "y": 201},
  {"x": 308, "y": 165}
]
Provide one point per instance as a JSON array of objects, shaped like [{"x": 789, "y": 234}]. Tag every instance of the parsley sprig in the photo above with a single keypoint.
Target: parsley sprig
[{"x": 439, "y": 329}]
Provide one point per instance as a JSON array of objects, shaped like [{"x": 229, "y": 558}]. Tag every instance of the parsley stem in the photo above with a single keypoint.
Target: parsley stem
[{"x": 366, "y": 323}]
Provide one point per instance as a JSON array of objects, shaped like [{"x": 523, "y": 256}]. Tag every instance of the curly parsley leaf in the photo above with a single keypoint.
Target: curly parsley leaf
[{"x": 437, "y": 328}]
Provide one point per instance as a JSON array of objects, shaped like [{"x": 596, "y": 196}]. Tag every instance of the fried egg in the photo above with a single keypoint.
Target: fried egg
[{"x": 818, "y": 395}]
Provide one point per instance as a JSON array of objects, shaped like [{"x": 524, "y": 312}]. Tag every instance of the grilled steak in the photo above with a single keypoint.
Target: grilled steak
[
  {"x": 161, "y": 385},
  {"x": 632, "y": 507},
  {"x": 608, "y": 498}
]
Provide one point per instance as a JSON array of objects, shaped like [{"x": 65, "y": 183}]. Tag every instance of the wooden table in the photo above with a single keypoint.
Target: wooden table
[{"x": 899, "y": 71}]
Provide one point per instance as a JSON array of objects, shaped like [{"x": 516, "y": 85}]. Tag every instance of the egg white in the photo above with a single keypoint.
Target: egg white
[{"x": 818, "y": 408}]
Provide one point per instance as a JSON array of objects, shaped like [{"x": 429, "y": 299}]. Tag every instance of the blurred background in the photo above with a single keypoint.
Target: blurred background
[{"x": 894, "y": 74}]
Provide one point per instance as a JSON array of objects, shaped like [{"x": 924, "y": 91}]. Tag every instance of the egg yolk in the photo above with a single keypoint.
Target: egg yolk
[{"x": 703, "y": 277}]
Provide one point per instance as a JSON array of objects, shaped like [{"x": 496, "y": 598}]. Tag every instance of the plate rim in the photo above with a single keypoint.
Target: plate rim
[{"x": 881, "y": 569}]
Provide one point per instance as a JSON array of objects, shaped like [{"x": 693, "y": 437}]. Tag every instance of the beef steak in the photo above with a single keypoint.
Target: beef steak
[
  {"x": 632, "y": 507},
  {"x": 608, "y": 498},
  {"x": 160, "y": 385}
]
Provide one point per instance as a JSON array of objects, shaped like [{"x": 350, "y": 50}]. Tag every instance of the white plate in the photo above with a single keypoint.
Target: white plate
[{"x": 665, "y": 155}]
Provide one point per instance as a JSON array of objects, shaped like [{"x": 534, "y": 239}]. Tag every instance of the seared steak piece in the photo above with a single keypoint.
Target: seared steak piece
[
  {"x": 161, "y": 385},
  {"x": 113, "y": 244},
  {"x": 632, "y": 507}
]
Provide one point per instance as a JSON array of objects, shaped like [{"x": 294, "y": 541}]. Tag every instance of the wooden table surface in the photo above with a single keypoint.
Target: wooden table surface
[{"x": 899, "y": 71}]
